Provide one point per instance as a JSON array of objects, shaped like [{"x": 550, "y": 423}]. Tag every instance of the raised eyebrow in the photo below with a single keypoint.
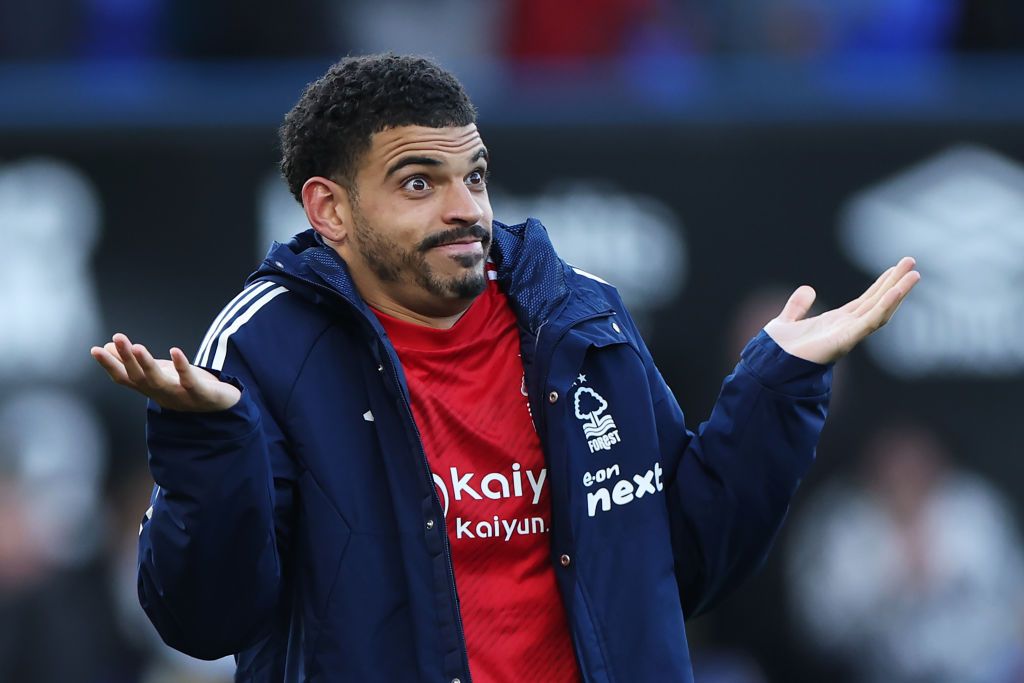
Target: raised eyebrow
[
  {"x": 480, "y": 154},
  {"x": 412, "y": 161}
]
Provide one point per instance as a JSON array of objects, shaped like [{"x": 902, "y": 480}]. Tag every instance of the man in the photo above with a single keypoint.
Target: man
[{"x": 418, "y": 446}]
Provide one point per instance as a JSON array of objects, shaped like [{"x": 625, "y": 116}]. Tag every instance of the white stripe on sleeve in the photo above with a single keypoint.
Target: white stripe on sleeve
[
  {"x": 222, "y": 341},
  {"x": 245, "y": 296}
]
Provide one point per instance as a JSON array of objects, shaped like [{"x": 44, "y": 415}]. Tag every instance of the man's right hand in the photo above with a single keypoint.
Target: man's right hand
[{"x": 175, "y": 384}]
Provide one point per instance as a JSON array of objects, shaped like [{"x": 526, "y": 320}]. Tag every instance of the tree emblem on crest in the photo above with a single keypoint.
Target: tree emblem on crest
[{"x": 590, "y": 407}]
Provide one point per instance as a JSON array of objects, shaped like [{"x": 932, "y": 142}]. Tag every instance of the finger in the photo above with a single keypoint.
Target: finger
[
  {"x": 870, "y": 291},
  {"x": 903, "y": 267},
  {"x": 112, "y": 364},
  {"x": 116, "y": 345},
  {"x": 892, "y": 299},
  {"x": 186, "y": 373},
  {"x": 800, "y": 301},
  {"x": 131, "y": 365},
  {"x": 869, "y": 302},
  {"x": 151, "y": 372},
  {"x": 900, "y": 292}
]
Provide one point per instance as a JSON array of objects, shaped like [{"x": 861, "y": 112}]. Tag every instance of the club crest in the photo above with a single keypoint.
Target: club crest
[{"x": 598, "y": 424}]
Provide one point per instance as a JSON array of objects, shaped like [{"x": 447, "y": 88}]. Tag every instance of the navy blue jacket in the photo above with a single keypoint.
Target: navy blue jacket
[{"x": 302, "y": 531}]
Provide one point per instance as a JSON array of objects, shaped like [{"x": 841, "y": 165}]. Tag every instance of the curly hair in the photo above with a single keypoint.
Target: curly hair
[{"x": 331, "y": 126}]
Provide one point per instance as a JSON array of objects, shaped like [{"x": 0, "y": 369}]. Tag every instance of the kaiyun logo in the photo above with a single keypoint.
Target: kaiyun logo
[{"x": 463, "y": 487}]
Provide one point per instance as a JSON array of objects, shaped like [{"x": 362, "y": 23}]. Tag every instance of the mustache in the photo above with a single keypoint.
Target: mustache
[{"x": 454, "y": 234}]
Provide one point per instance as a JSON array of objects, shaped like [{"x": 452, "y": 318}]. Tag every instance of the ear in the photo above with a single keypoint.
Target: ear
[{"x": 327, "y": 208}]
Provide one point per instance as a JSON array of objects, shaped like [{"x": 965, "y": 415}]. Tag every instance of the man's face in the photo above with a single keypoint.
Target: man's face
[{"x": 421, "y": 218}]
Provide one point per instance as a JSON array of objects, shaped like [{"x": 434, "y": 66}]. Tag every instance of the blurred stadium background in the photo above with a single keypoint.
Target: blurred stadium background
[{"x": 706, "y": 156}]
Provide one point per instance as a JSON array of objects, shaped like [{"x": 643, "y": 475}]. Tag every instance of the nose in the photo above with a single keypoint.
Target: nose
[{"x": 462, "y": 206}]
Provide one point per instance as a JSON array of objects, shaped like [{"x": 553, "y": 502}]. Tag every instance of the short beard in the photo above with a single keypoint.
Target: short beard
[{"x": 389, "y": 261}]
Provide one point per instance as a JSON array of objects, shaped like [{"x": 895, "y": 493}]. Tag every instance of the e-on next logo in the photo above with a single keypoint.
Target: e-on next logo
[{"x": 598, "y": 426}]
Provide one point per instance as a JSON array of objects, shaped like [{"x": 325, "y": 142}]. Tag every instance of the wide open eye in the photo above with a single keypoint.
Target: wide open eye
[
  {"x": 416, "y": 184},
  {"x": 476, "y": 179}
]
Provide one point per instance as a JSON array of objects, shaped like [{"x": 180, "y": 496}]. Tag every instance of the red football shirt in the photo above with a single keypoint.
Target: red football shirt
[{"x": 469, "y": 402}]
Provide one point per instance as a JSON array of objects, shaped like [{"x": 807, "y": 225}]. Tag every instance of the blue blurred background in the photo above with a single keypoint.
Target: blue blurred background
[{"x": 704, "y": 156}]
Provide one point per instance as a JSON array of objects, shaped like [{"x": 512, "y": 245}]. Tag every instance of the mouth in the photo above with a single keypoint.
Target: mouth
[
  {"x": 470, "y": 246},
  {"x": 462, "y": 240}
]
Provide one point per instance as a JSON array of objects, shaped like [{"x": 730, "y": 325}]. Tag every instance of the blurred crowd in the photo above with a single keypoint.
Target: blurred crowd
[
  {"x": 911, "y": 570},
  {"x": 516, "y": 30}
]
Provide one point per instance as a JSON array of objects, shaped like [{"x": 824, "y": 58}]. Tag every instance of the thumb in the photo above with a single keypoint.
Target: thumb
[{"x": 799, "y": 303}]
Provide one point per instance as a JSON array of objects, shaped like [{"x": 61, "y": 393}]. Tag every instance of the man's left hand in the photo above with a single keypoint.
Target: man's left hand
[{"x": 828, "y": 337}]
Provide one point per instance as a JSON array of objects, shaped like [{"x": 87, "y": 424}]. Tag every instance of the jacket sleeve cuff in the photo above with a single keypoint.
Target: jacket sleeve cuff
[
  {"x": 779, "y": 371},
  {"x": 235, "y": 422}
]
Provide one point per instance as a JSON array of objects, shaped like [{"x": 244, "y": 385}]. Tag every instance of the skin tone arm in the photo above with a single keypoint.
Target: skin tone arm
[{"x": 178, "y": 385}]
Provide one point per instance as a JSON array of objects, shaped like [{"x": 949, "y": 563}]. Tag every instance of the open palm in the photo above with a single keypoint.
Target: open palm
[
  {"x": 175, "y": 384},
  {"x": 828, "y": 337}
]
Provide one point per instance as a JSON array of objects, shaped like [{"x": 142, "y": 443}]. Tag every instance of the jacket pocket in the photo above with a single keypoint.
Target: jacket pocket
[{"x": 604, "y": 330}]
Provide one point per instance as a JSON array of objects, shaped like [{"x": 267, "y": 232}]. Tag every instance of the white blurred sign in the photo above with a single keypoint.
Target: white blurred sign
[
  {"x": 50, "y": 221},
  {"x": 961, "y": 214},
  {"x": 633, "y": 241}
]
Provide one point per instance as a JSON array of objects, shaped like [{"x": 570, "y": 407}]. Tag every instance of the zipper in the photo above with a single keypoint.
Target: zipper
[
  {"x": 444, "y": 536},
  {"x": 426, "y": 468}
]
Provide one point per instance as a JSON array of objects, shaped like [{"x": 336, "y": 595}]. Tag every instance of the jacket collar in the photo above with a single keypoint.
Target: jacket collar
[{"x": 529, "y": 270}]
